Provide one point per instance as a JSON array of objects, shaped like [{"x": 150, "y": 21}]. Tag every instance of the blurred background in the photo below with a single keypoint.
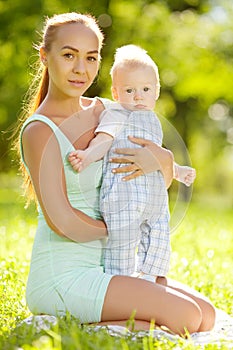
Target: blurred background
[{"x": 192, "y": 43}]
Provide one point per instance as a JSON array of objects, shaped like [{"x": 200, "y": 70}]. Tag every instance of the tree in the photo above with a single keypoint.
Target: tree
[{"x": 190, "y": 40}]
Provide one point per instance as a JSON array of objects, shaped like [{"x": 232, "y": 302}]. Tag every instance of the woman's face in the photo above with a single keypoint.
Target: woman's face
[{"x": 72, "y": 61}]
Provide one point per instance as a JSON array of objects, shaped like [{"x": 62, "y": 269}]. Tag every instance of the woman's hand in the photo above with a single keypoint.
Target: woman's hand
[{"x": 148, "y": 158}]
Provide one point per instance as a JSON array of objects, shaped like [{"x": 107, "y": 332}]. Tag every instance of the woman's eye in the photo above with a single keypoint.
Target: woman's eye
[
  {"x": 69, "y": 56},
  {"x": 92, "y": 59},
  {"x": 146, "y": 89}
]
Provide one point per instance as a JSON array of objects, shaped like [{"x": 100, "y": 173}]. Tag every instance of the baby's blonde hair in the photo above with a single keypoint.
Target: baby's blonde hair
[{"x": 134, "y": 56}]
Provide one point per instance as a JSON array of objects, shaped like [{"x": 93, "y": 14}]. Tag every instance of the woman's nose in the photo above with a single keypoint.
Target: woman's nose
[{"x": 79, "y": 66}]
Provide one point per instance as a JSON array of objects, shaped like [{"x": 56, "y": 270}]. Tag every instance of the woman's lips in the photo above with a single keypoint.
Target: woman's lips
[{"x": 77, "y": 83}]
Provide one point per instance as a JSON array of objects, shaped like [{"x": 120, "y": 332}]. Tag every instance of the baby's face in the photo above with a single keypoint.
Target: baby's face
[{"x": 135, "y": 88}]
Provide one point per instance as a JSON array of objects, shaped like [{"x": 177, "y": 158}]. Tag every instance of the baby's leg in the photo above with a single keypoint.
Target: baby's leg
[
  {"x": 120, "y": 252},
  {"x": 143, "y": 246},
  {"x": 157, "y": 259}
]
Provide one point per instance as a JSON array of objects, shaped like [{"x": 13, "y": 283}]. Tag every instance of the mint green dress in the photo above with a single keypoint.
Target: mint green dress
[{"x": 66, "y": 276}]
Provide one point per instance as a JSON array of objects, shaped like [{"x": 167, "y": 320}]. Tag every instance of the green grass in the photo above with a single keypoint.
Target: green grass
[{"x": 202, "y": 258}]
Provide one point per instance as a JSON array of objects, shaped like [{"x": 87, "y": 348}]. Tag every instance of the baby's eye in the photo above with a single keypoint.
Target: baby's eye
[
  {"x": 129, "y": 91},
  {"x": 146, "y": 89}
]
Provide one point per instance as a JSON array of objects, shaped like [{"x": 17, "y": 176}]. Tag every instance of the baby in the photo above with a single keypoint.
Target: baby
[{"x": 136, "y": 212}]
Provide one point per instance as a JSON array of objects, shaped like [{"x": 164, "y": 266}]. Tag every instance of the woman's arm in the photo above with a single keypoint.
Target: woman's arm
[
  {"x": 43, "y": 158},
  {"x": 150, "y": 157}
]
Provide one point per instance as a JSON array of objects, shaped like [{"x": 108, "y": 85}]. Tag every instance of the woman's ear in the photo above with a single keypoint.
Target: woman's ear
[
  {"x": 114, "y": 93},
  {"x": 43, "y": 56}
]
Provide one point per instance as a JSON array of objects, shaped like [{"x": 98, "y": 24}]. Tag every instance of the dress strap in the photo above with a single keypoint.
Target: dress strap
[{"x": 65, "y": 145}]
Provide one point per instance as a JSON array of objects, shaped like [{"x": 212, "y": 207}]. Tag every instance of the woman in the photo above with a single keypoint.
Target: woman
[{"x": 66, "y": 272}]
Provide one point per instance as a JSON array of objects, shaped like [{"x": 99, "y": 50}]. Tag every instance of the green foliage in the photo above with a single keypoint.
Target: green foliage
[
  {"x": 68, "y": 334},
  {"x": 202, "y": 258},
  {"x": 191, "y": 41},
  {"x": 202, "y": 253}
]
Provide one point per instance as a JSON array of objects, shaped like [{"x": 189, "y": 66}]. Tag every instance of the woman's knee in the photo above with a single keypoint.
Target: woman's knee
[
  {"x": 194, "y": 318},
  {"x": 208, "y": 317},
  {"x": 202, "y": 318},
  {"x": 189, "y": 319}
]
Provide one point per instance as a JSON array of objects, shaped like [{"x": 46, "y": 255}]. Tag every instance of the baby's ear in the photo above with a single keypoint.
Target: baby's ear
[{"x": 114, "y": 93}]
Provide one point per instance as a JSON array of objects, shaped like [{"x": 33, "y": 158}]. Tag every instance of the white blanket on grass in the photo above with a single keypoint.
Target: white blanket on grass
[{"x": 221, "y": 334}]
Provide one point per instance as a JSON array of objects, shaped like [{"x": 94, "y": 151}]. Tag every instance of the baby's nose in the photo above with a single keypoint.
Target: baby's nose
[{"x": 137, "y": 95}]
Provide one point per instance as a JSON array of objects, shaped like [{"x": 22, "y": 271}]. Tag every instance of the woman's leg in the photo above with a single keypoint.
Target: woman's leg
[
  {"x": 207, "y": 309},
  {"x": 136, "y": 326},
  {"x": 150, "y": 301}
]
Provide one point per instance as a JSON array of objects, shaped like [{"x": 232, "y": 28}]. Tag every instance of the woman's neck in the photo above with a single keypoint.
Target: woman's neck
[
  {"x": 59, "y": 108},
  {"x": 63, "y": 107}
]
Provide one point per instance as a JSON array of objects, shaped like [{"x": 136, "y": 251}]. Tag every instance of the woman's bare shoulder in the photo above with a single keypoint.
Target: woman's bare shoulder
[
  {"x": 93, "y": 104},
  {"x": 89, "y": 101},
  {"x": 36, "y": 131}
]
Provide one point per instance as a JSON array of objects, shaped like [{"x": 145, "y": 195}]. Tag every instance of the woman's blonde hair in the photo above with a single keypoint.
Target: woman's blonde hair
[{"x": 39, "y": 87}]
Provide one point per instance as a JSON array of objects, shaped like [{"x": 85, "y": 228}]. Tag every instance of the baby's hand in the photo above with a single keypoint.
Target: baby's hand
[
  {"x": 76, "y": 160},
  {"x": 185, "y": 174}
]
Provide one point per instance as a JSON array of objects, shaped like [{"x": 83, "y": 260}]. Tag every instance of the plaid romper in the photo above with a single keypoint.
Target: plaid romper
[{"x": 136, "y": 212}]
